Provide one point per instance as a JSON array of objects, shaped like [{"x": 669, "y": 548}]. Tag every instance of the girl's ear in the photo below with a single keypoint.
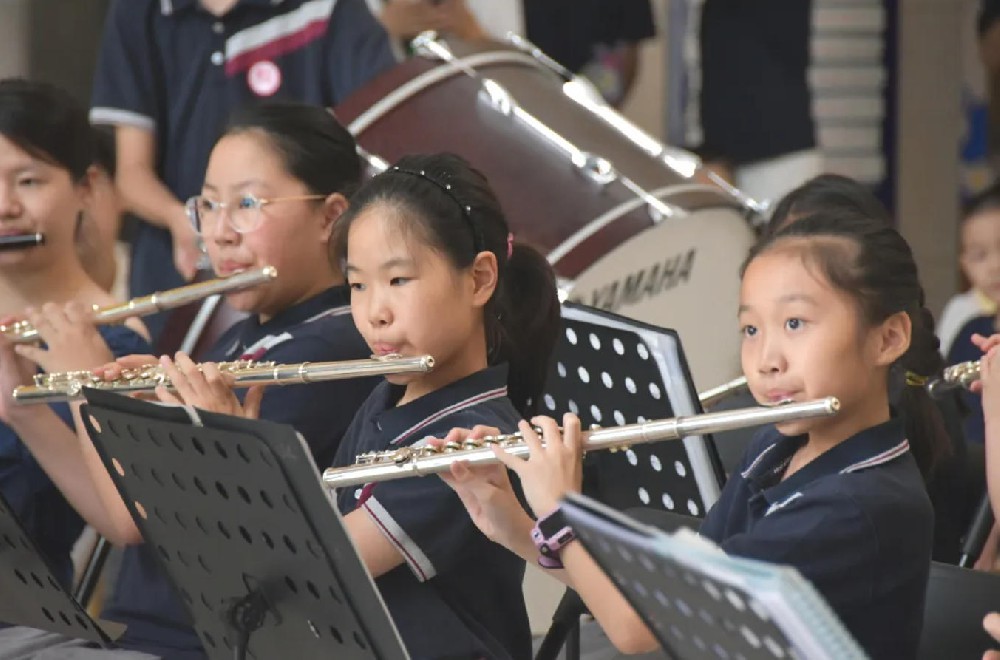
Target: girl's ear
[
  {"x": 87, "y": 185},
  {"x": 334, "y": 206},
  {"x": 893, "y": 338},
  {"x": 485, "y": 273}
]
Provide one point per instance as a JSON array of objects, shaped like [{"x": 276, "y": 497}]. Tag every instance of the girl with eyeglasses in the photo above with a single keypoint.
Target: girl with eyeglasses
[{"x": 276, "y": 184}]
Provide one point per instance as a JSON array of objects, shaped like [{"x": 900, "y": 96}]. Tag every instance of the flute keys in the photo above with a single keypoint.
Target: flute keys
[{"x": 402, "y": 455}]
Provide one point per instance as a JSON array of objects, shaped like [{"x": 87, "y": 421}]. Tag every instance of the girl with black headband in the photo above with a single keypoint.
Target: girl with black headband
[{"x": 434, "y": 270}]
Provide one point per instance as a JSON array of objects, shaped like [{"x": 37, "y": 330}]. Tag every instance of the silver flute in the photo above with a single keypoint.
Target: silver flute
[
  {"x": 21, "y": 241},
  {"x": 428, "y": 459},
  {"x": 22, "y": 332},
  {"x": 714, "y": 395},
  {"x": 963, "y": 375},
  {"x": 68, "y": 385}
]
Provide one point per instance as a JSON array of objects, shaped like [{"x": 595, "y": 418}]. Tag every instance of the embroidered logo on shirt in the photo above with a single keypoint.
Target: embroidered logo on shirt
[{"x": 264, "y": 78}]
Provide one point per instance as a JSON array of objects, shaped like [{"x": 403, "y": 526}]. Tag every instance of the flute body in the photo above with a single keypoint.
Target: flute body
[
  {"x": 22, "y": 331},
  {"x": 710, "y": 397},
  {"x": 426, "y": 459},
  {"x": 963, "y": 375},
  {"x": 21, "y": 241},
  {"x": 69, "y": 385}
]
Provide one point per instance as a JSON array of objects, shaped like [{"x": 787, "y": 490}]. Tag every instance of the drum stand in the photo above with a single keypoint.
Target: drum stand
[
  {"x": 245, "y": 530},
  {"x": 33, "y": 597}
]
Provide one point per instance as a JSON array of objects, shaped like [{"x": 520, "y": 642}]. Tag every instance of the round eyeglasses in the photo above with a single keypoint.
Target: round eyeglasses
[{"x": 244, "y": 214}]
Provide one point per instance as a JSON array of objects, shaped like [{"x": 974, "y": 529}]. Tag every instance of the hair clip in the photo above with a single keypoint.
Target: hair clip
[
  {"x": 510, "y": 244},
  {"x": 446, "y": 188},
  {"x": 915, "y": 379}
]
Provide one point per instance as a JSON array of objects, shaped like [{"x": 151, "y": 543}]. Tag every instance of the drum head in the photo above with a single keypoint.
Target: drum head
[{"x": 681, "y": 274}]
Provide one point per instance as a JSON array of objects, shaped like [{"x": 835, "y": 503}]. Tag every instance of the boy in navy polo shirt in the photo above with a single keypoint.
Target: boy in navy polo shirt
[
  {"x": 272, "y": 193},
  {"x": 830, "y": 305},
  {"x": 170, "y": 73}
]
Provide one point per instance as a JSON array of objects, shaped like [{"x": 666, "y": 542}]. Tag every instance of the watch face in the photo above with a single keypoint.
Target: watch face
[
  {"x": 564, "y": 536},
  {"x": 552, "y": 524}
]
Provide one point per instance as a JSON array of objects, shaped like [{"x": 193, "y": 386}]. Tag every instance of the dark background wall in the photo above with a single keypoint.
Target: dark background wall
[{"x": 52, "y": 40}]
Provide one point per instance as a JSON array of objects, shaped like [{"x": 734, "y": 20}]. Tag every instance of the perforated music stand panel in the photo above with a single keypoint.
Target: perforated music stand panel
[
  {"x": 695, "y": 606},
  {"x": 30, "y": 595},
  {"x": 234, "y": 507},
  {"x": 611, "y": 370}
]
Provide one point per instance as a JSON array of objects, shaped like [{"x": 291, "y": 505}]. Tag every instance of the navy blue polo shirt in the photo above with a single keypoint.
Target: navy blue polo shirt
[
  {"x": 856, "y": 522},
  {"x": 963, "y": 350},
  {"x": 170, "y": 67},
  {"x": 316, "y": 330},
  {"x": 569, "y": 31},
  {"x": 458, "y": 594},
  {"x": 755, "y": 56},
  {"x": 50, "y": 521}
]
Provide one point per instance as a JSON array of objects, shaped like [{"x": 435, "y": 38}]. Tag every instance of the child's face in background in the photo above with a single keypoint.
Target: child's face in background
[
  {"x": 37, "y": 196},
  {"x": 804, "y": 339},
  {"x": 980, "y": 252},
  {"x": 291, "y": 236}
]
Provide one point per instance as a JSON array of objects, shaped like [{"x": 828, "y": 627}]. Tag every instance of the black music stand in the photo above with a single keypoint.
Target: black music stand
[
  {"x": 33, "y": 597},
  {"x": 245, "y": 530},
  {"x": 612, "y": 370},
  {"x": 700, "y": 603}
]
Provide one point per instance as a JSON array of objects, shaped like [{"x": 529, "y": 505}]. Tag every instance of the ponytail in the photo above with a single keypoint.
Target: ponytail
[
  {"x": 925, "y": 429},
  {"x": 527, "y": 307}
]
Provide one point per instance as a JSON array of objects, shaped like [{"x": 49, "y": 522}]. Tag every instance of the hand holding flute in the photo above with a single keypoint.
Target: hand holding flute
[
  {"x": 71, "y": 341},
  {"x": 553, "y": 469}
]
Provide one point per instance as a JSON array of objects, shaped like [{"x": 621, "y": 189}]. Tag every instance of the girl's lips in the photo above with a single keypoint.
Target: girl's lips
[
  {"x": 777, "y": 396},
  {"x": 227, "y": 268}
]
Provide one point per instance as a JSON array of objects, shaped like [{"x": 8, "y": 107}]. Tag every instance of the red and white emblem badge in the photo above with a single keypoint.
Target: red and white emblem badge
[{"x": 264, "y": 78}]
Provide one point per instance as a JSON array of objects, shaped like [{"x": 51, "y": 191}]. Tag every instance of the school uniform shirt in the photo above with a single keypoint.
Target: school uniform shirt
[
  {"x": 45, "y": 514},
  {"x": 856, "y": 522},
  {"x": 755, "y": 56},
  {"x": 963, "y": 350},
  {"x": 171, "y": 68},
  {"x": 457, "y": 595},
  {"x": 315, "y": 330},
  {"x": 571, "y": 31}
]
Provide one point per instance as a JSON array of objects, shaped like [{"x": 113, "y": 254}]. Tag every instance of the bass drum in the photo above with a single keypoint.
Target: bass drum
[{"x": 625, "y": 221}]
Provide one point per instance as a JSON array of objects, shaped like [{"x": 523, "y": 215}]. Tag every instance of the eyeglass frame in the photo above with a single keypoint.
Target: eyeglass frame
[{"x": 190, "y": 206}]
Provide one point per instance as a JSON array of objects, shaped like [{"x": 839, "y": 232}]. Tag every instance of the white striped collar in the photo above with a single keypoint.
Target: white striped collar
[
  {"x": 471, "y": 401},
  {"x": 879, "y": 459}
]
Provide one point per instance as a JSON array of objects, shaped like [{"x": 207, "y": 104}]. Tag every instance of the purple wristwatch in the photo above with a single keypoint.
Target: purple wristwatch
[{"x": 551, "y": 534}]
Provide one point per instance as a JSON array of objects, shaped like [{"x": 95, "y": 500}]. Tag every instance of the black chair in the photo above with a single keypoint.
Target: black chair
[
  {"x": 611, "y": 370},
  {"x": 957, "y": 601}
]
